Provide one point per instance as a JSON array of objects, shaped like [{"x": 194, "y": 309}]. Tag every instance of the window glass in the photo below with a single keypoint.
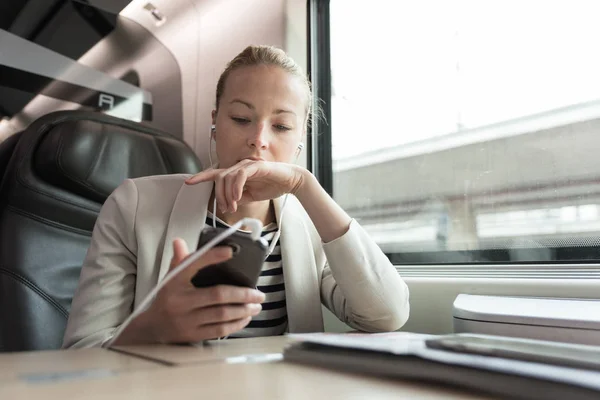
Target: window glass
[{"x": 467, "y": 130}]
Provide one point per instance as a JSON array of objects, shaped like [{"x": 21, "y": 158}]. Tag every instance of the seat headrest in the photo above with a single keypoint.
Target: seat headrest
[{"x": 91, "y": 158}]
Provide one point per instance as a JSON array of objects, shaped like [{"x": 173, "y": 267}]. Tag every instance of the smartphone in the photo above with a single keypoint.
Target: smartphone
[
  {"x": 242, "y": 269},
  {"x": 564, "y": 354}
]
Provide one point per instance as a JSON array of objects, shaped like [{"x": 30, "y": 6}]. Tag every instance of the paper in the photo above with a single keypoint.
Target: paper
[{"x": 389, "y": 342}]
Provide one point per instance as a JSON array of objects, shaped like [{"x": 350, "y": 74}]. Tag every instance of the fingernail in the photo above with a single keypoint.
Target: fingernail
[
  {"x": 255, "y": 308},
  {"x": 259, "y": 294}
]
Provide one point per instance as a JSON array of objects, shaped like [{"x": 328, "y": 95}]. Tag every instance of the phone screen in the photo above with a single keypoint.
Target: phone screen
[{"x": 243, "y": 269}]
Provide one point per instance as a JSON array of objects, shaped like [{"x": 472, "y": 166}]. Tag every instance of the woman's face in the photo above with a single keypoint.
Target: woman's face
[{"x": 261, "y": 116}]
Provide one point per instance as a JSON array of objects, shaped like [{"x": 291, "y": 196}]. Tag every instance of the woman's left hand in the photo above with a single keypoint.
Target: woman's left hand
[{"x": 251, "y": 180}]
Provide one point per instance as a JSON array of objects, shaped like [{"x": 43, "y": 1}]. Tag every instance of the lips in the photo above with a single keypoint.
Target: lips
[{"x": 253, "y": 158}]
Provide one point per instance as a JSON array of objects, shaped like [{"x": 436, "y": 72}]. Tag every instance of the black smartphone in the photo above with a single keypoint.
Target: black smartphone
[{"x": 243, "y": 269}]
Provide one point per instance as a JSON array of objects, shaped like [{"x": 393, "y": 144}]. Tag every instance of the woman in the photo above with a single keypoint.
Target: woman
[{"x": 262, "y": 109}]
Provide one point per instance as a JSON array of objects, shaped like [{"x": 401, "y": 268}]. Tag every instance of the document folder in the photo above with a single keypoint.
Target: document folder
[{"x": 407, "y": 356}]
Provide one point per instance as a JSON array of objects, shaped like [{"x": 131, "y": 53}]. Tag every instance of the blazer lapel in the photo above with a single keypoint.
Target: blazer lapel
[
  {"x": 302, "y": 285},
  {"x": 187, "y": 220}
]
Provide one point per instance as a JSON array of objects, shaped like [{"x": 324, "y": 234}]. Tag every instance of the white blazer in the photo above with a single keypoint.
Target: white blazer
[{"x": 131, "y": 250}]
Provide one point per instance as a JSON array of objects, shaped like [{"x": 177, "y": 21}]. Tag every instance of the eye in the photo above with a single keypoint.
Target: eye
[
  {"x": 240, "y": 120},
  {"x": 282, "y": 128}
]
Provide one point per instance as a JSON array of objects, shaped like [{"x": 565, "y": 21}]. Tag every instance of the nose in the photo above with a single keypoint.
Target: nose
[{"x": 260, "y": 137}]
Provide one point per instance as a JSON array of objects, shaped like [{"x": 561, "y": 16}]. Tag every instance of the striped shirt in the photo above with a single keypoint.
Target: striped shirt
[{"x": 272, "y": 319}]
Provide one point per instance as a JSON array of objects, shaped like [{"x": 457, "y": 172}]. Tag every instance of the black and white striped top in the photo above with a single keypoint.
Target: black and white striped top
[{"x": 272, "y": 320}]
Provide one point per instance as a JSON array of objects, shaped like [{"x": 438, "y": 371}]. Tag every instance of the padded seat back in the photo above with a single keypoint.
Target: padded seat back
[{"x": 62, "y": 169}]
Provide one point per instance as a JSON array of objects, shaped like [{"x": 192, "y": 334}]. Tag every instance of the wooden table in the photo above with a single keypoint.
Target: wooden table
[
  {"x": 216, "y": 371},
  {"x": 48, "y": 366}
]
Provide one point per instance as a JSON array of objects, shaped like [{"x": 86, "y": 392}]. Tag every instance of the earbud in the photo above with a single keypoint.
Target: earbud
[
  {"x": 211, "y": 136},
  {"x": 300, "y": 147}
]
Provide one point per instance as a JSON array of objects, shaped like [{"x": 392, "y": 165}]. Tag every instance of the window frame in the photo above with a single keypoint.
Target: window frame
[{"x": 319, "y": 150}]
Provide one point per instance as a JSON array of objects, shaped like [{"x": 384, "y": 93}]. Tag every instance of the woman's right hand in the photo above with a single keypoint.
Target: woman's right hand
[{"x": 182, "y": 312}]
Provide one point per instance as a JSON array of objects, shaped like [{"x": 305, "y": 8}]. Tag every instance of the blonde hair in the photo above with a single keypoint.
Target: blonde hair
[{"x": 266, "y": 55}]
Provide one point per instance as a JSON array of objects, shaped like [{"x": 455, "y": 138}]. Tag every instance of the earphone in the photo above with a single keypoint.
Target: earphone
[{"x": 213, "y": 129}]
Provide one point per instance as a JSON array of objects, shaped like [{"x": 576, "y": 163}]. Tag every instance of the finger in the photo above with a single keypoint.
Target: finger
[
  {"x": 204, "y": 176},
  {"x": 229, "y": 178},
  {"x": 215, "y": 255},
  {"x": 225, "y": 294},
  {"x": 254, "y": 171},
  {"x": 180, "y": 252},
  {"x": 238, "y": 184},
  {"x": 220, "y": 192},
  {"x": 231, "y": 201},
  {"x": 218, "y": 330},
  {"x": 225, "y": 313},
  {"x": 208, "y": 175}
]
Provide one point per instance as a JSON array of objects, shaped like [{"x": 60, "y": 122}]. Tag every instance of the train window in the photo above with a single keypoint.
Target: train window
[{"x": 465, "y": 131}]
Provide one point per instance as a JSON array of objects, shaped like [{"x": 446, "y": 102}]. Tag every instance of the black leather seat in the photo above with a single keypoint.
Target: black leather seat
[
  {"x": 7, "y": 148},
  {"x": 63, "y": 167}
]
